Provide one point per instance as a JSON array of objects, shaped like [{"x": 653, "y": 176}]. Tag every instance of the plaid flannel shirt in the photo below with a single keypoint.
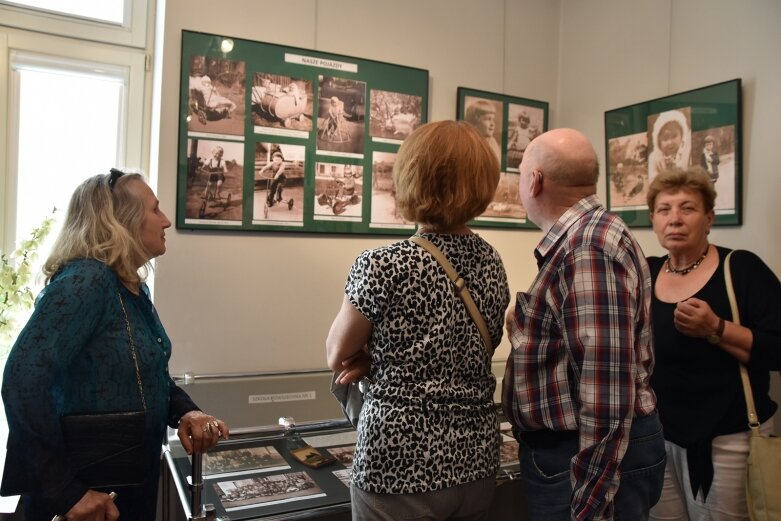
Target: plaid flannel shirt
[{"x": 582, "y": 347}]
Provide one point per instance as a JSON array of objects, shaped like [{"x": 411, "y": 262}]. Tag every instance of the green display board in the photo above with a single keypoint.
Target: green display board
[
  {"x": 276, "y": 138},
  {"x": 706, "y": 131}
]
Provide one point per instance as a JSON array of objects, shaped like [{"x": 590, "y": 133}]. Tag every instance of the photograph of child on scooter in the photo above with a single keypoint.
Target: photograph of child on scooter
[{"x": 279, "y": 184}]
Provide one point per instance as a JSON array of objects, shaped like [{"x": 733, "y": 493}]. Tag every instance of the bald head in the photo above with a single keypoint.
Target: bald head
[{"x": 565, "y": 156}]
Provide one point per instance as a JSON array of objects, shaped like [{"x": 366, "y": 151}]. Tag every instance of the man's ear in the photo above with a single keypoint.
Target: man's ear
[{"x": 535, "y": 186}]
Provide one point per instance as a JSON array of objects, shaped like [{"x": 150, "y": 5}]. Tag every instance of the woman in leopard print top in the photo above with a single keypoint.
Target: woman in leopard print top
[{"x": 428, "y": 439}]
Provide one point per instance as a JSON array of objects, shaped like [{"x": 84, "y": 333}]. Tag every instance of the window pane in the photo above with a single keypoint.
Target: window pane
[
  {"x": 105, "y": 10},
  {"x": 68, "y": 130}
]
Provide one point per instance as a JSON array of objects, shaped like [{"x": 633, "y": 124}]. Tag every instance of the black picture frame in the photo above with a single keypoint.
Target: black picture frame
[
  {"x": 516, "y": 121},
  {"x": 275, "y": 138},
  {"x": 710, "y": 134}
]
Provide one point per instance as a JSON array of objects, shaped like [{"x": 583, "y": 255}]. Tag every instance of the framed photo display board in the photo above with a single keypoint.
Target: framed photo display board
[
  {"x": 508, "y": 123},
  {"x": 700, "y": 127},
  {"x": 276, "y": 138}
]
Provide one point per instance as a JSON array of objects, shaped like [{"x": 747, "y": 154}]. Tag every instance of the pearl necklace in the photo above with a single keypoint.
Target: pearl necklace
[{"x": 688, "y": 269}]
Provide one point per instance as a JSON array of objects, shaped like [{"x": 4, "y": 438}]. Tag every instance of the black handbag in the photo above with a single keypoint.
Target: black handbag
[
  {"x": 350, "y": 397},
  {"x": 108, "y": 449}
]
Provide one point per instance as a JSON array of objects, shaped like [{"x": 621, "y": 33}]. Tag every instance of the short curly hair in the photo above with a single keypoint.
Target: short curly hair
[
  {"x": 694, "y": 179},
  {"x": 445, "y": 174}
]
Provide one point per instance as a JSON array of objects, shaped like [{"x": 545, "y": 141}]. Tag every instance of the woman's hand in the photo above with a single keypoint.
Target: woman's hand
[
  {"x": 93, "y": 506},
  {"x": 355, "y": 368},
  {"x": 199, "y": 432},
  {"x": 695, "y": 318}
]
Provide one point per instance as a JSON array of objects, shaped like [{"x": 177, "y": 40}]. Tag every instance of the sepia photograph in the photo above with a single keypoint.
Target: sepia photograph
[
  {"x": 341, "y": 111},
  {"x": 508, "y": 453},
  {"x": 508, "y": 124},
  {"x": 627, "y": 169},
  {"x": 279, "y": 184},
  {"x": 506, "y": 204},
  {"x": 214, "y": 181},
  {"x": 696, "y": 128},
  {"x": 343, "y": 475},
  {"x": 222, "y": 463},
  {"x": 343, "y": 454},
  {"x": 281, "y": 105},
  {"x": 524, "y": 123},
  {"x": 486, "y": 116},
  {"x": 338, "y": 189},
  {"x": 216, "y": 96},
  {"x": 384, "y": 212},
  {"x": 393, "y": 115},
  {"x": 260, "y": 491}
]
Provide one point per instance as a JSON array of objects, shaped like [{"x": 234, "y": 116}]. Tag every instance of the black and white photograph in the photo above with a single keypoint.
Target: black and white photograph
[
  {"x": 508, "y": 453},
  {"x": 338, "y": 192},
  {"x": 279, "y": 184},
  {"x": 714, "y": 150},
  {"x": 486, "y": 116},
  {"x": 341, "y": 111},
  {"x": 222, "y": 463},
  {"x": 393, "y": 115},
  {"x": 343, "y": 475},
  {"x": 524, "y": 123},
  {"x": 384, "y": 212},
  {"x": 506, "y": 204},
  {"x": 627, "y": 169},
  {"x": 670, "y": 141},
  {"x": 508, "y": 124},
  {"x": 696, "y": 128},
  {"x": 216, "y": 96},
  {"x": 305, "y": 125},
  {"x": 214, "y": 181},
  {"x": 281, "y": 105},
  {"x": 260, "y": 491},
  {"x": 344, "y": 454}
]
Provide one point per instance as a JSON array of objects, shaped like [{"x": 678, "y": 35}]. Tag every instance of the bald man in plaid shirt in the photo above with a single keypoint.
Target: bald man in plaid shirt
[{"x": 591, "y": 444}]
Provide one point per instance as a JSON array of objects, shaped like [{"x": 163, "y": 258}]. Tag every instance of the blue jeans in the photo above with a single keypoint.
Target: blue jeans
[{"x": 545, "y": 474}]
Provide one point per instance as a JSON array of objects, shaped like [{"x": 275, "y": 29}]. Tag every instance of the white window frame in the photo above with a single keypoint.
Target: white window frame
[
  {"x": 133, "y": 32},
  {"x": 135, "y": 131}
]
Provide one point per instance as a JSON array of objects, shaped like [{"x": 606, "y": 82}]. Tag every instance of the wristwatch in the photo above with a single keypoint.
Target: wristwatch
[{"x": 715, "y": 338}]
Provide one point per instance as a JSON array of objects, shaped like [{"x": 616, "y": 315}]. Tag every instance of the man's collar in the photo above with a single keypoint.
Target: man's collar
[{"x": 564, "y": 222}]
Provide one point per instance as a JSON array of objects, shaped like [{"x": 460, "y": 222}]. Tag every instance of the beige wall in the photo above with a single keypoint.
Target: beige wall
[{"x": 235, "y": 302}]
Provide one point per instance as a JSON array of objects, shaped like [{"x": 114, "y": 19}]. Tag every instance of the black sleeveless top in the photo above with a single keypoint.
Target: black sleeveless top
[{"x": 698, "y": 385}]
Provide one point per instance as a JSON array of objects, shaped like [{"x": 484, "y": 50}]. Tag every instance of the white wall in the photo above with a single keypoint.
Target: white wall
[{"x": 246, "y": 302}]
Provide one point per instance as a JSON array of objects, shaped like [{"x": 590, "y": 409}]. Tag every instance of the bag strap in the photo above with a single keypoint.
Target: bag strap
[
  {"x": 133, "y": 351},
  {"x": 460, "y": 287},
  {"x": 753, "y": 421}
]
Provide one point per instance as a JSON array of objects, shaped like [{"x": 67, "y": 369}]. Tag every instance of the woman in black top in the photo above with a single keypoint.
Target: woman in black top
[{"x": 698, "y": 347}]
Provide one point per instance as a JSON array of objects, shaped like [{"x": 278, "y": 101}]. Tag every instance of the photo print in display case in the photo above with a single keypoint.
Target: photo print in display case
[
  {"x": 508, "y": 123},
  {"x": 277, "y": 138},
  {"x": 700, "y": 127}
]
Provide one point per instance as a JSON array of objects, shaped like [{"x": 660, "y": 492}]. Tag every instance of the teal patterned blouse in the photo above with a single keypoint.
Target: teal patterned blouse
[{"x": 73, "y": 356}]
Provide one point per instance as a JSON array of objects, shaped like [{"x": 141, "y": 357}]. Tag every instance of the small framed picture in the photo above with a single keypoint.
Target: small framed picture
[
  {"x": 508, "y": 124},
  {"x": 700, "y": 127}
]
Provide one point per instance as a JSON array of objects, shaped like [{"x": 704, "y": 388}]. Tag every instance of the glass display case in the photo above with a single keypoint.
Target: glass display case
[{"x": 254, "y": 475}]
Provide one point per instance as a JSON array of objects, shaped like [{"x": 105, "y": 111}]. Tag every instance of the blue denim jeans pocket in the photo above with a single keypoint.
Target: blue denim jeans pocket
[
  {"x": 642, "y": 470},
  {"x": 545, "y": 474}
]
